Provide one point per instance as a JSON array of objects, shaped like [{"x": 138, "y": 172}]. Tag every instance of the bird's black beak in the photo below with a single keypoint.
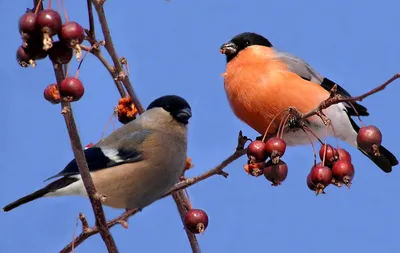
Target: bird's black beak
[
  {"x": 184, "y": 115},
  {"x": 228, "y": 48}
]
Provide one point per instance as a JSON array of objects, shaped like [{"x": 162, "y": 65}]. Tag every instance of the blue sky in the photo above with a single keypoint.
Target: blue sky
[{"x": 173, "y": 48}]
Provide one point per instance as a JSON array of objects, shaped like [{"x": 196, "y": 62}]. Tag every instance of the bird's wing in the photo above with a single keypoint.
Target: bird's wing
[
  {"x": 305, "y": 71},
  {"x": 125, "y": 149}
]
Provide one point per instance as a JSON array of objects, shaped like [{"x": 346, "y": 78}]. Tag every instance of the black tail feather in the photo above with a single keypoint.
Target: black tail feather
[
  {"x": 28, "y": 198},
  {"x": 385, "y": 161},
  {"x": 56, "y": 185}
]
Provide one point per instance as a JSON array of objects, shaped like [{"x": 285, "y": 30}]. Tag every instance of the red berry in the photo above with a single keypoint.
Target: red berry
[
  {"x": 276, "y": 173},
  {"x": 49, "y": 22},
  {"x": 343, "y": 172},
  {"x": 27, "y": 23},
  {"x": 255, "y": 169},
  {"x": 368, "y": 137},
  {"x": 331, "y": 154},
  {"x": 196, "y": 221},
  {"x": 60, "y": 53},
  {"x": 24, "y": 58},
  {"x": 255, "y": 151},
  {"x": 275, "y": 144},
  {"x": 310, "y": 183},
  {"x": 343, "y": 154},
  {"x": 72, "y": 89},
  {"x": 27, "y": 27},
  {"x": 51, "y": 94},
  {"x": 72, "y": 34},
  {"x": 321, "y": 176},
  {"x": 275, "y": 148}
]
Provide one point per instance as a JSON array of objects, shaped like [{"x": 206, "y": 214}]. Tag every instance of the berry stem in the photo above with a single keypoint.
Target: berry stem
[
  {"x": 312, "y": 132},
  {"x": 334, "y": 135},
  {"x": 67, "y": 69},
  {"x": 283, "y": 125},
  {"x": 270, "y": 124},
  {"x": 326, "y": 139},
  {"x": 107, "y": 124},
  {"x": 312, "y": 145},
  {"x": 84, "y": 56},
  {"x": 39, "y": 3},
  {"x": 64, "y": 10},
  {"x": 357, "y": 114},
  {"x": 189, "y": 202},
  {"x": 49, "y": 5}
]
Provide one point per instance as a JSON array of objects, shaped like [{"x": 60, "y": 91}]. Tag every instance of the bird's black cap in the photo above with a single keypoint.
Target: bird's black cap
[
  {"x": 242, "y": 41},
  {"x": 176, "y": 105}
]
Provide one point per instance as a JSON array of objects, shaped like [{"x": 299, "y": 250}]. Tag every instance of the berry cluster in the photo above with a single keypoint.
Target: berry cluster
[
  {"x": 334, "y": 168},
  {"x": 275, "y": 169},
  {"x": 38, "y": 29}
]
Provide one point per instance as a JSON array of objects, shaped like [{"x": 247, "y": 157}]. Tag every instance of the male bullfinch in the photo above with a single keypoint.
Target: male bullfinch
[
  {"x": 133, "y": 166},
  {"x": 260, "y": 82}
]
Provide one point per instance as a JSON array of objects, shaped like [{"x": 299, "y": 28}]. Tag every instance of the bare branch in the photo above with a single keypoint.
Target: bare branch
[
  {"x": 183, "y": 207},
  {"x": 122, "y": 76},
  {"x": 335, "y": 99},
  {"x": 83, "y": 166},
  {"x": 111, "y": 69},
  {"x": 240, "y": 151},
  {"x": 88, "y": 232}
]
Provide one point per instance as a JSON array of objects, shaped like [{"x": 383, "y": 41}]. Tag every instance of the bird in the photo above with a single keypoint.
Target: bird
[
  {"x": 133, "y": 166},
  {"x": 260, "y": 82}
]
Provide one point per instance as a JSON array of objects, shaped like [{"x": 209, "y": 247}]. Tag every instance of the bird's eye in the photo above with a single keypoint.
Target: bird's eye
[{"x": 246, "y": 42}]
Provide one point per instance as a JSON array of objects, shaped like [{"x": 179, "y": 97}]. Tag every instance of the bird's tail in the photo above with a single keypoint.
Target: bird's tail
[
  {"x": 28, "y": 198},
  {"x": 385, "y": 161},
  {"x": 53, "y": 186}
]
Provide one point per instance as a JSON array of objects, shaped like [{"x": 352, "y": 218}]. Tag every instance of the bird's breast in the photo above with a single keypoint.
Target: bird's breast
[{"x": 259, "y": 88}]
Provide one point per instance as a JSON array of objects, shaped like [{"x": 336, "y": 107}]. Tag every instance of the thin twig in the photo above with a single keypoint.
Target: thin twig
[
  {"x": 83, "y": 167},
  {"x": 91, "y": 33},
  {"x": 121, "y": 75},
  {"x": 181, "y": 200},
  {"x": 215, "y": 171},
  {"x": 338, "y": 99},
  {"x": 240, "y": 151},
  {"x": 111, "y": 70},
  {"x": 90, "y": 231}
]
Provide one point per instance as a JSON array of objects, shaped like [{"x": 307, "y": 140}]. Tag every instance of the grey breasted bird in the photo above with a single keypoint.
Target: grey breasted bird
[{"x": 133, "y": 166}]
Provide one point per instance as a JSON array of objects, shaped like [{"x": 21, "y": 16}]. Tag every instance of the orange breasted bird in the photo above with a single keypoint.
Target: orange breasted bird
[{"x": 260, "y": 82}]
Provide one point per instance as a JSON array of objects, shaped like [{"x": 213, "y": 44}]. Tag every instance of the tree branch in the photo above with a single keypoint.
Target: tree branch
[
  {"x": 96, "y": 52},
  {"x": 218, "y": 170},
  {"x": 121, "y": 76},
  {"x": 335, "y": 99},
  {"x": 91, "y": 37},
  {"x": 90, "y": 231},
  {"x": 83, "y": 167},
  {"x": 183, "y": 207}
]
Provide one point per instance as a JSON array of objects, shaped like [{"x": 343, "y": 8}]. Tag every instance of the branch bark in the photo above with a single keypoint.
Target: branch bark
[
  {"x": 182, "y": 203},
  {"x": 218, "y": 170},
  {"x": 121, "y": 75},
  {"x": 83, "y": 167},
  {"x": 90, "y": 231}
]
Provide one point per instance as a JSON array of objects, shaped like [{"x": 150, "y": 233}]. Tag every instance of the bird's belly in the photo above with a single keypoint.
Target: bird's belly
[
  {"x": 266, "y": 98},
  {"x": 137, "y": 188}
]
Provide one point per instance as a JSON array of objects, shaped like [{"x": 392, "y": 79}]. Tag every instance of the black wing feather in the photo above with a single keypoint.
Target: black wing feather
[{"x": 96, "y": 160}]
